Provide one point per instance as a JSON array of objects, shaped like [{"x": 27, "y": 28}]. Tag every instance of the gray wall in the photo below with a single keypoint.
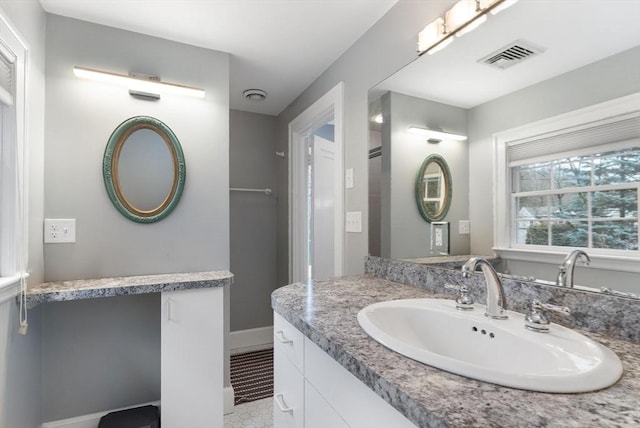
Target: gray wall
[
  {"x": 375, "y": 195},
  {"x": 20, "y": 356},
  {"x": 82, "y": 114},
  {"x": 383, "y": 49},
  {"x": 253, "y": 164},
  {"x": 408, "y": 234},
  {"x": 80, "y": 118},
  {"x": 20, "y": 369},
  {"x": 604, "y": 80},
  {"x": 100, "y": 354}
]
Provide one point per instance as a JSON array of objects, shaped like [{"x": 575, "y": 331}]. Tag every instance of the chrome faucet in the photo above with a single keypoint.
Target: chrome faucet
[
  {"x": 565, "y": 276},
  {"x": 496, "y": 301}
]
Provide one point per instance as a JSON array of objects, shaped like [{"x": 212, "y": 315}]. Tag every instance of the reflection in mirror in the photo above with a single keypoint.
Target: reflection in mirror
[
  {"x": 397, "y": 229},
  {"x": 144, "y": 169},
  {"x": 433, "y": 188},
  {"x": 455, "y": 91},
  {"x": 145, "y": 188}
]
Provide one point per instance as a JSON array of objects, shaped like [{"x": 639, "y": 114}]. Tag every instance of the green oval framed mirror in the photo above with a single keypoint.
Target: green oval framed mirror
[
  {"x": 144, "y": 169},
  {"x": 433, "y": 188}
]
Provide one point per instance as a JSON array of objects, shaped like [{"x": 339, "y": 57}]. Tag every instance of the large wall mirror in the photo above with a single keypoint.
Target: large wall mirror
[
  {"x": 579, "y": 57},
  {"x": 144, "y": 169}
]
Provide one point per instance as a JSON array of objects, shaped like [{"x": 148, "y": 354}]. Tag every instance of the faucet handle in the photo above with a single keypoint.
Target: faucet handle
[
  {"x": 536, "y": 320},
  {"x": 464, "y": 302}
]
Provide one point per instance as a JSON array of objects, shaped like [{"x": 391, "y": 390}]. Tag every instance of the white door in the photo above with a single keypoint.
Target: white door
[{"x": 323, "y": 220}]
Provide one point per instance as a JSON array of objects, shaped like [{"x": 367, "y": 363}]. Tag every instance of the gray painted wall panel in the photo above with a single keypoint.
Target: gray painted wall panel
[
  {"x": 20, "y": 356},
  {"x": 20, "y": 369},
  {"x": 253, "y": 164},
  {"x": 80, "y": 118},
  {"x": 385, "y": 48},
  {"x": 409, "y": 233},
  {"x": 100, "y": 354}
]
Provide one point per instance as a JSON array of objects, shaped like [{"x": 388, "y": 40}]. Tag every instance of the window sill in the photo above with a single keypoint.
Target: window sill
[
  {"x": 9, "y": 287},
  {"x": 598, "y": 261}
]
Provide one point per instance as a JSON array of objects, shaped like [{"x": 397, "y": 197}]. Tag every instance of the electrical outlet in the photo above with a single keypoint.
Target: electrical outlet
[
  {"x": 463, "y": 227},
  {"x": 353, "y": 221},
  {"x": 57, "y": 231}
]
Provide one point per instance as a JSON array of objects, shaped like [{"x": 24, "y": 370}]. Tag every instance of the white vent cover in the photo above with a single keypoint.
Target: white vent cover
[{"x": 512, "y": 54}]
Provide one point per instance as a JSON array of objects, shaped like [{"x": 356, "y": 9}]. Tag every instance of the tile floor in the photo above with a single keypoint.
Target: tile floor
[{"x": 255, "y": 414}]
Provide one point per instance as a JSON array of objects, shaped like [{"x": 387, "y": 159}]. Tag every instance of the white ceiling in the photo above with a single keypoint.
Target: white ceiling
[
  {"x": 573, "y": 32},
  {"x": 280, "y": 46}
]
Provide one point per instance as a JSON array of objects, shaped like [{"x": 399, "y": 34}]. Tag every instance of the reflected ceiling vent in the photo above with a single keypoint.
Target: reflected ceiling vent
[{"x": 512, "y": 54}]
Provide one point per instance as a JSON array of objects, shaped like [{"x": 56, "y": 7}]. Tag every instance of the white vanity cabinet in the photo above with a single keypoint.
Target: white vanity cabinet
[
  {"x": 191, "y": 335},
  {"x": 192, "y": 358},
  {"x": 312, "y": 390}
]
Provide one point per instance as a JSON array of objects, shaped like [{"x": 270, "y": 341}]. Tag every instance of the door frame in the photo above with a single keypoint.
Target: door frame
[{"x": 300, "y": 129}]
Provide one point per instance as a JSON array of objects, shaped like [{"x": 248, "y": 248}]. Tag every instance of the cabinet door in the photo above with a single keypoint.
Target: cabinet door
[
  {"x": 317, "y": 412},
  {"x": 358, "y": 405},
  {"x": 192, "y": 358},
  {"x": 288, "y": 392}
]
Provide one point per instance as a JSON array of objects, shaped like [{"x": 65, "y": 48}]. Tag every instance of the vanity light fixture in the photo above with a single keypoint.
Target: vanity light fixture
[
  {"x": 139, "y": 84},
  {"x": 463, "y": 17},
  {"x": 436, "y": 136}
]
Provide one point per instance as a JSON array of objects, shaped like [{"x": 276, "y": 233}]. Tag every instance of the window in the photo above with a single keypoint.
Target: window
[
  {"x": 572, "y": 181},
  {"x": 588, "y": 201},
  {"x": 432, "y": 189},
  {"x": 13, "y": 207}
]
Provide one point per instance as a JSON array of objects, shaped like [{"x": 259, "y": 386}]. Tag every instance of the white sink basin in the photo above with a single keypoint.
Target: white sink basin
[{"x": 467, "y": 343}]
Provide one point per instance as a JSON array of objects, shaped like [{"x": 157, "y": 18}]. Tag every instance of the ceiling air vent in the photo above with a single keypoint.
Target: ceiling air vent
[{"x": 512, "y": 54}]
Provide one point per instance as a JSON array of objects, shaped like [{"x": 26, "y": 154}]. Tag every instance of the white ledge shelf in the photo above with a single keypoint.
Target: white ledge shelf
[{"x": 80, "y": 289}]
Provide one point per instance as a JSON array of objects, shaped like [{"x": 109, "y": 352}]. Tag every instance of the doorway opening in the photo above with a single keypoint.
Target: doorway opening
[{"x": 316, "y": 235}]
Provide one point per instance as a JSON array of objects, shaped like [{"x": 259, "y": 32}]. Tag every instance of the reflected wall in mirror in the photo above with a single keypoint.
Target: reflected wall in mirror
[
  {"x": 144, "y": 169},
  {"x": 433, "y": 188},
  {"x": 454, "y": 91},
  {"x": 397, "y": 229}
]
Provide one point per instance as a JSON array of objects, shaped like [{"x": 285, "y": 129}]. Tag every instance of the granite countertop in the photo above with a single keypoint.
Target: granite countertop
[
  {"x": 107, "y": 287},
  {"x": 326, "y": 313}
]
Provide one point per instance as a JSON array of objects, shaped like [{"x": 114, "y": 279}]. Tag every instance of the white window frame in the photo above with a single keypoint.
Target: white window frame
[
  {"x": 14, "y": 217},
  {"x": 504, "y": 231}
]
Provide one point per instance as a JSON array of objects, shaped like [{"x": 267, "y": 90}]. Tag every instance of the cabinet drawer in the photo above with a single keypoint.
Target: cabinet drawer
[
  {"x": 289, "y": 341},
  {"x": 288, "y": 393}
]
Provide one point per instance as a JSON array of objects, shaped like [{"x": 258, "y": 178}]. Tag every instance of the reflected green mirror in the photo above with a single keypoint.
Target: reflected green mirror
[
  {"x": 144, "y": 169},
  {"x": 433, "y": 188}
]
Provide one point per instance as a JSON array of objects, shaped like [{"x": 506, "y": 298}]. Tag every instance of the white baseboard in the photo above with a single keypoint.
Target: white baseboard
[
  {"x": 228, "y": 396},
  {"x": 88, "y": 421},
  {"x": 252, "y": 339}
]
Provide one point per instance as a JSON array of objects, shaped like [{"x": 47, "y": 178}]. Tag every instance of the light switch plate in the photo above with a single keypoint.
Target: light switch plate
[
  {"x": 354, "y": 221},
  {"x": 59, "y": 231},
  {"x": 463, "y": 227},
  {"x": 348, "y": 178}
]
